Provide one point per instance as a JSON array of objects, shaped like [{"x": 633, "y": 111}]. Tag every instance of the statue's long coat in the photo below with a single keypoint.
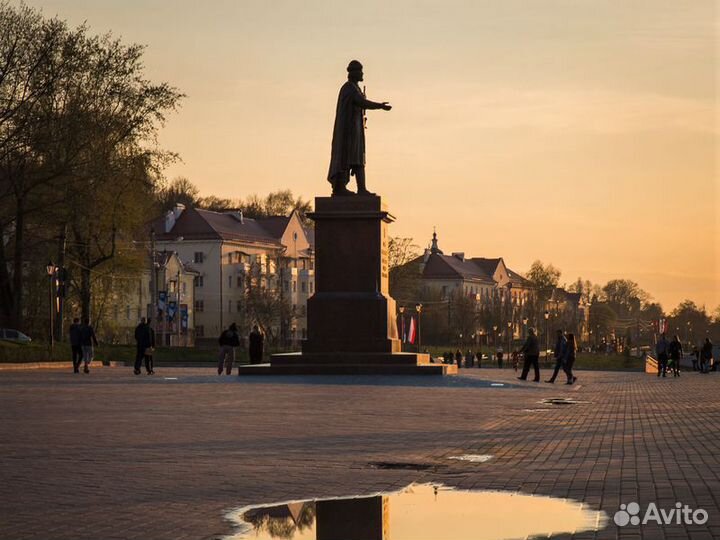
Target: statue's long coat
[{"x": 348, "y": 142}]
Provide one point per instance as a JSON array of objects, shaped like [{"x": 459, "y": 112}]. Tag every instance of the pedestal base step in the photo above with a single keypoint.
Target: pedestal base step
[{"x": 348, "y": 369}]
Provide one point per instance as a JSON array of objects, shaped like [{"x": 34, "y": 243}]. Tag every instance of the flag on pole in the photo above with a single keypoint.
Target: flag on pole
[
  {"x": 403, "y": 335},
  {"x": 412, "y": 333}
]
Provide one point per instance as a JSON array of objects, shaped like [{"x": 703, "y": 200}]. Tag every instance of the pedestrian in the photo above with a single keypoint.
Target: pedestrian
[
  {"x": 478, "y": 355},
  {"x": 661, "y": 350},
  {"x": 531, "y": 350},
  {"x": 500, "y": 356},
  {"x": 142, "y": 344},
  {"x": 150, "y": 351},
  {"x": 75, "y": 345},
  {"x": 707, "y": 356},
  {"x": 256, "y": 342},
  {"x": 458, "y": 358},
  {"x": 695, "y": 358},
  {"x": 569, "y": 358},
  {"x": 676, "y": 353},
  {"x": 228, "y": 341},
  {"x": 469, "y": 359},
  {"x": 559, "y": 354},
  {"x": 87, "y": 341}
]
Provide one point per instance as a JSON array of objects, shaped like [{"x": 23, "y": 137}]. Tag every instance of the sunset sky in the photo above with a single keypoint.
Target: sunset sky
[{"x": 578, "y": 132}]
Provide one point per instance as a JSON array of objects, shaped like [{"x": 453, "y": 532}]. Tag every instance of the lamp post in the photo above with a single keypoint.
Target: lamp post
[
  {"x": 510, "y": 333},
  {"x": 547, "y": 332},
  {"x": 401, "y": 309},
  {"x": 495, "y": 335},
  {"x": 418, "y": 308},
  {"x": 51, "y": 270}
]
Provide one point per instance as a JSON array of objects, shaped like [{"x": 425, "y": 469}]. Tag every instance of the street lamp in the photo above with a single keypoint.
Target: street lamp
[
  {"x": 418, "y": 308},
  {"x": 51, "y": 269},
  {"x": 547, "y": 332},
  {"x": 509, "y": 324},
  {"x": 494, "y": 335}
]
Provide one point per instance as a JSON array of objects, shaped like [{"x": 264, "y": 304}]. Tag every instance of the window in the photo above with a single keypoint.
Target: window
[
  {"x": 230, "y": 258},
  {"x": 199, "y": 306},
  {"x": 240, "y": 281},
  {"x": 230, "y": 281},
  {"x": 199, "y": 330},
  {"x": 198, "y": 281},
  {"x": 294, "y": 286},
  {"x": 199, "y": 257},
  {"x": 312, "y": 264},
  {"x": 238, "y": 306},
  {"x": 303, "y": 286},
  {"x": 286, "y": 285},
  {"x": 303, "y": 264},
  {"x": 229, "y": 306}
]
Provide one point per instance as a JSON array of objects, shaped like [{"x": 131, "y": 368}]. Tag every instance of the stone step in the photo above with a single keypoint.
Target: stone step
[
  {"x": 347, "y": 369},
  {"x": 342, "y": 358}
]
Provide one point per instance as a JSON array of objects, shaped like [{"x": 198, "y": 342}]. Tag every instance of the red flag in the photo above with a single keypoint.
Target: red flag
[{"x": 412, "y": 332}]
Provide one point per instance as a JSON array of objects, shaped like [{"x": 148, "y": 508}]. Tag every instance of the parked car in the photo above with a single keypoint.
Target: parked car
[{"x": 8, "y": 334}]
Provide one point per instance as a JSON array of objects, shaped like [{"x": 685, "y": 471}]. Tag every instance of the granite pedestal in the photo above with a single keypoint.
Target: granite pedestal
[{"x": 352, "y": 326}]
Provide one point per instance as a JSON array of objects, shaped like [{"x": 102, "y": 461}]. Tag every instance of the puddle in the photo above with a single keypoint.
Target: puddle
[
  {"x": 497, "y": 384},
  {"x": 170, "y": 378},
  {"x": 473, "y": 458},
  {"x": 417, "y": 512},
  {"x": 400, "y": 466},
  {"x": 561, "y": 401}
]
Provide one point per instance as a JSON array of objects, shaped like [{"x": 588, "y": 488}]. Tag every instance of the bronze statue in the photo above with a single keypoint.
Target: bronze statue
[{"x": 348, "y": 142}]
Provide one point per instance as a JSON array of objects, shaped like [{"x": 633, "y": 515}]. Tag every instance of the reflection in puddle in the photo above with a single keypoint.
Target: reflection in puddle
[
  {"x": 473, "y": 458},
  {"x": 418, "y": 512}
]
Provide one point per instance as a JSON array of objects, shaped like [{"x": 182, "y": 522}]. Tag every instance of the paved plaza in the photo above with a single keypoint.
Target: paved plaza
[{"x": 109, "y": 455}]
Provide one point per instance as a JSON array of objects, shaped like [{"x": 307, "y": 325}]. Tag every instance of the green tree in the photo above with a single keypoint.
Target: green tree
[
  {"x": 179, "y": 190},
  {"x": 625, "y": 297},
  {"x": 544, "y": 277},
  {"x": 404, "y": 273}
]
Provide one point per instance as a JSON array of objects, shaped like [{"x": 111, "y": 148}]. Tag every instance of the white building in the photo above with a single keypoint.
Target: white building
[{"x": 226, "y": 249}]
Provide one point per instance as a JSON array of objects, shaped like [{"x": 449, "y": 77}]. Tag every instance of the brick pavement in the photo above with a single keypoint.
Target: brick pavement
[{"x": 111, "y": 455}]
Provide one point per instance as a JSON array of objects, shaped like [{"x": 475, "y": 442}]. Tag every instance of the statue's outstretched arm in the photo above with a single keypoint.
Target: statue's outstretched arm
[{"x": 363, "y": 103}]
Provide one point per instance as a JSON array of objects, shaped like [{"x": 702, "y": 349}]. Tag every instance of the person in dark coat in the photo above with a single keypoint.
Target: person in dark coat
[
  {"x": 348, "y": 142},
  {"x": 256, "y": 343},
  {"x": 706, "y": 356},
  {"x": 87, "y": 342},
  {"x": 696, "y": 358},
  {"x": 662, "y": 348},
  {"x": 458, "y": 358},
  {"x": 558, "y": 354},
  {"x": 229, "y": 341},
  {"x": 676, "y": 353},
  {"x": 531, "y": 350},
  {"x": 75, "y": 345},
  {"x": 478, "y": 355},
  {"x": 469, "y": 359},
  {"x": 568, "y": 358},
  {"x": 143, "y": 342},
  {"x": 150, "y": 351}
]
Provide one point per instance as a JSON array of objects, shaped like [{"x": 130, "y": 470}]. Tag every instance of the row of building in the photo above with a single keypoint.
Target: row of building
[{"x": 204, "y": 263}]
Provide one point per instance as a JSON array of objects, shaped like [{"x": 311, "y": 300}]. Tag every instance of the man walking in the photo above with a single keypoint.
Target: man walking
[
  {"x": 142, "y": 343},
  {"x": 228, "y": 340},
  {"x": 531, "y": 350},
  {"x": 75, "y": 345},
  {"x": 707, "y": 356},
  {"x": 661, "y": 350},
  {"x": 256, "y": 343},
  {"x": 676, "y": 353},
  {"x": 87, "y": 342},
  {"x": 558, "y": 354},
  {"x": 149, "y": 364}
]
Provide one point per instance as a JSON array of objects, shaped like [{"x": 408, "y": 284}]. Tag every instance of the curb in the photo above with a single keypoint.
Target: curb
[{"x": 18, "y": 366}]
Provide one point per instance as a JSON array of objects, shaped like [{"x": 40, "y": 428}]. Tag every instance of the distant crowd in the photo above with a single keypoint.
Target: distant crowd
[{"x": 669, "y": 354}]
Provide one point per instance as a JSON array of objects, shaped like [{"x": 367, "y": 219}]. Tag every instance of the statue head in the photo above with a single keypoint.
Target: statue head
[{"x": 355, "y": 71}]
